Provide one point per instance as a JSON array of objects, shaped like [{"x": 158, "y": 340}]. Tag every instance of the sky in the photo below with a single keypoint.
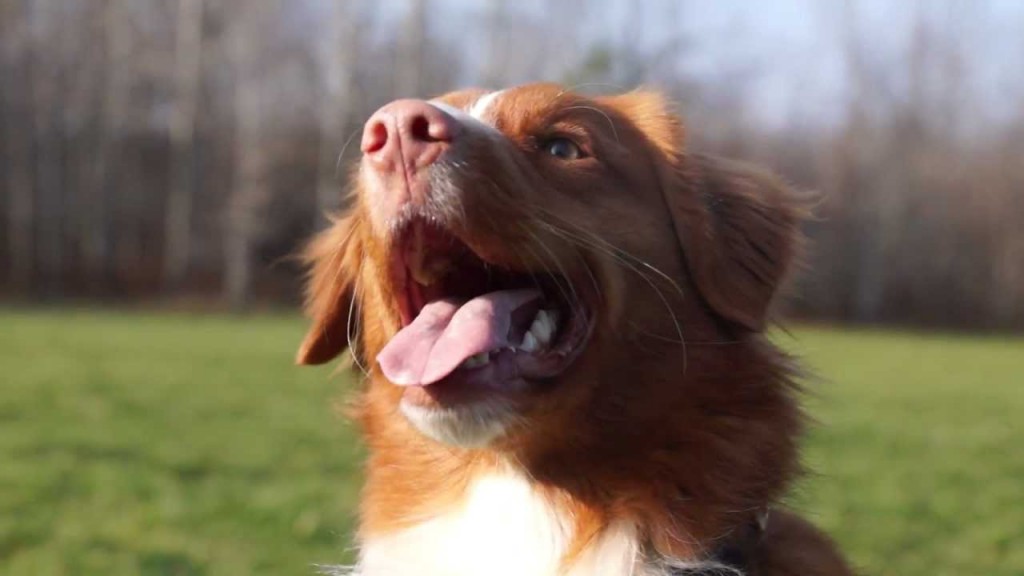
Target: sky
[{"x": 789, "y": 52}]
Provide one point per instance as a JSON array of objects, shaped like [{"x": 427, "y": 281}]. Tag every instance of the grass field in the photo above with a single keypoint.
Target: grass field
[{"x": 179, "y": 445}]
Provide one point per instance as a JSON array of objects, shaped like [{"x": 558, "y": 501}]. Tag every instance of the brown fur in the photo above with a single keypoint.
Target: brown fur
[{"x": 680, "y": 415}]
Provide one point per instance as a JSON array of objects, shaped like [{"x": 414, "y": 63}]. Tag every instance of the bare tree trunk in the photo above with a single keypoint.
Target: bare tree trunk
[
  {"x": 46, "y": 119},
  {"x": 868, "y": 253},
  {"x": 21, "y": 205},
  {"x": 177, "y": 219},
  {"x": 1005, "y": 208},
  {"x": 335, "y": 108},
  {"x": 243, "y": 205},
  {"x": 97, "y": 212},
  {"x": 408, "y": 69}
]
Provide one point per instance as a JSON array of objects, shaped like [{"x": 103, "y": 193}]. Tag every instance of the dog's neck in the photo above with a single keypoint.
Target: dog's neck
[{"x": 505, "y": 526}]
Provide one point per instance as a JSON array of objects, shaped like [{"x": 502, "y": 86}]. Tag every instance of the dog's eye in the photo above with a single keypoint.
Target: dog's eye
[{"x": 563, "y": 148}]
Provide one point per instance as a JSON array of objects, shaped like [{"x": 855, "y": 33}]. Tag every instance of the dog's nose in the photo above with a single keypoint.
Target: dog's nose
[{"x": 407, "y": 135}]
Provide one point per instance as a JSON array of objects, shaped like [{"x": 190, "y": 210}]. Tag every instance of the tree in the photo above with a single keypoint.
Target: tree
[
  {"x": 47, "y": 85},
  {"x": 182, "y": 127},
  {"x": 338, "y": 65},
  {"x": 98, "y": 211},
  {"x": 17, "y": 142},
  {"x": 249, "y": 190}
]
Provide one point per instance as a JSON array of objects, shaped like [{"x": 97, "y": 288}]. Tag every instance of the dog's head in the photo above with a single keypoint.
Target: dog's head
[{"x": 512, "y": 260}]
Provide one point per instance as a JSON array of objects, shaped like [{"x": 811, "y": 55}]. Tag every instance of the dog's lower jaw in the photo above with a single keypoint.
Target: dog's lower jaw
[{"x": 473, "y": 425}]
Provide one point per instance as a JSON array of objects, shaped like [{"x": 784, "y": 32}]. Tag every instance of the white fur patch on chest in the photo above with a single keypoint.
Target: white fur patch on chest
[{"x": 503, "y": 528}]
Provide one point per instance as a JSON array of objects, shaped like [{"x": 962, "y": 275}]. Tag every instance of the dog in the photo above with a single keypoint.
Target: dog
[{"x": 560, "y": 315}]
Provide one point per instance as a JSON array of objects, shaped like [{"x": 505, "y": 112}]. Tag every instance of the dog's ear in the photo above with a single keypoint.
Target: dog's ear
[
  {"x": 333, "y": 261},
  {"x": 739, "y": 229}
]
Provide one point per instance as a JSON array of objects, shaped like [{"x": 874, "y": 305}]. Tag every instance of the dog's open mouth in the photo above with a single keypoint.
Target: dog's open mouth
[{"x": 466, "y": 319}]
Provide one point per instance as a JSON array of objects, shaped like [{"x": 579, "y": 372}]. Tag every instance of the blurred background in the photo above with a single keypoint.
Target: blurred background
[{"x": 161, "y": 160}]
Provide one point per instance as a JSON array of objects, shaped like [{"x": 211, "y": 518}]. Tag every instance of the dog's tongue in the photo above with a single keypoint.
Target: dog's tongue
[{"x": 446, "y": 333}]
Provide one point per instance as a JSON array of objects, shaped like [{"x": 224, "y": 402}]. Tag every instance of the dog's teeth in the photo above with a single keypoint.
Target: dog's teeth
[
  {"x": 541, "y": 331},
  {"x": 544, "y": 326},
  {"x": 529, "y": 343},
  {"x": 476, "y": 360}
]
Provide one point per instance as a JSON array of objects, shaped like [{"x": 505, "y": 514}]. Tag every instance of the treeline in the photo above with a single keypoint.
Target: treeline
[{"x": 181, "y": 149}]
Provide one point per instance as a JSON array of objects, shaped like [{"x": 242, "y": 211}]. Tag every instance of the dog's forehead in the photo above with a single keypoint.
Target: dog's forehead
[
  {"x": 461, "y": 99},
  {"x": 471, "y": 107},
  {"x": 490, "y": 106}
]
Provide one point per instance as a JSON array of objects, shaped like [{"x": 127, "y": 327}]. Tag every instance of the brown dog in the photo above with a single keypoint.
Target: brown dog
[{"x": 559, "y": 313}]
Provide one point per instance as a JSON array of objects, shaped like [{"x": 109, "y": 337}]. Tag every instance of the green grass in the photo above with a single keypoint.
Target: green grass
[
  {"x": 167, "y": 445},
  {"x": 919, "y": 451},
  {"x": 178, "y": 445}
]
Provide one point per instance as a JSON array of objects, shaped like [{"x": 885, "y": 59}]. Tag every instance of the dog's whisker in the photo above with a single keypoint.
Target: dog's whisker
[
  {"x": 664, "y": 300},
  {"x": 604, "y": 114},
  {"x": 620, "y": 256},
  {"x": 344, "y": 147},
  {"x": 600, "y": 241},
  {"x": 544, "y": 262},
  {"x": 353, "y": 340},
  {"x": 553, "y": 259}
]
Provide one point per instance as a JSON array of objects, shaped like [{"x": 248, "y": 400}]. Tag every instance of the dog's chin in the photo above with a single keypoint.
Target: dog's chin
[{"x": 469, "y": 425}]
